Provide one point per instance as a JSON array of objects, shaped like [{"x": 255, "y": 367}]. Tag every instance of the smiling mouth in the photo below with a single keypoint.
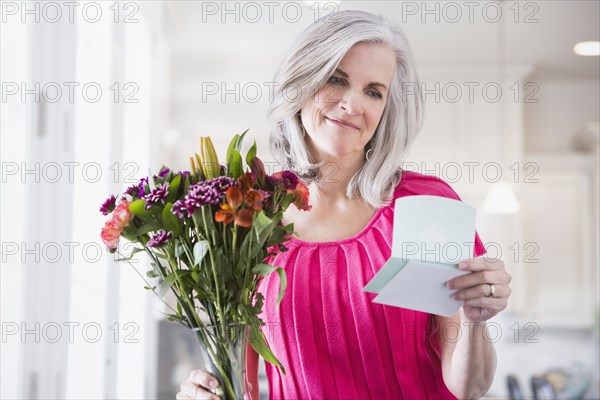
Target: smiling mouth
[{"x": 341, "y": 123}]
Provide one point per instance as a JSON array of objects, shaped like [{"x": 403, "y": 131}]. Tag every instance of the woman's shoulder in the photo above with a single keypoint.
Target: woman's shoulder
[{"x": 414, "y": 183}]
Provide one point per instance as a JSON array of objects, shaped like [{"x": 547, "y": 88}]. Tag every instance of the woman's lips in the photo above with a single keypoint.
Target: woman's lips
[{"x": 341, "y": 123}]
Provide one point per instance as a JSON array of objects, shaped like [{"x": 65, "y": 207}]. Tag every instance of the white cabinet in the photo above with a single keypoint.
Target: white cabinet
[{"x": 560, "y": 223}]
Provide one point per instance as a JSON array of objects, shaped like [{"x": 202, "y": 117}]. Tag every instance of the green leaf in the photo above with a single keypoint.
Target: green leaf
[
  {"x": 200, "y": 249},
  {"x": 195, "y": 276},
  {"x": 186, "y": 185},
  {"x": 262, "y": 227},
  {"x": 238, "y": 145},
  {"x": 197, "y": 218},
  {"x": 236, "y": 164},
  {"x": 265, "y": 269},
  {"x": 251, "y": 153},
  {"x": 286, "y": 201},
  {"x": 229, "y": 156},
  {"x": 173, "y": 188},
  {"x": 257, "y": 340},
  {"x": 166, "y": 284},
  {"x": 151, "y": 274},
  {"x": 278, "y": 235},
  {"x": 148, "y": 227},
  {"x": 170, "y": 221},
  {"x": 130, "y": 256},
  {"x": 137, "y": 208},
  {"x": 178, "y": 249}
]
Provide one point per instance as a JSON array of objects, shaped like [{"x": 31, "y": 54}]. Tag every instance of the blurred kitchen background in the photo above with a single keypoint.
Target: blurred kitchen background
[{"x": 96, "y": 93}]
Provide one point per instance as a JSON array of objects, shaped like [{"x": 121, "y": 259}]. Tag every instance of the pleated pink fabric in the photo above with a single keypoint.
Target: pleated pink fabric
[{"x": 333, "y": 341}]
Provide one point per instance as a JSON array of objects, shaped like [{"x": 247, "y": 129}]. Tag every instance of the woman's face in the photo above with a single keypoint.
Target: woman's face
[{"x": 342, "y": 117}]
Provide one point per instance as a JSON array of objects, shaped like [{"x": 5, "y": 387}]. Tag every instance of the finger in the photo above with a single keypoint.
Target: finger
[
  {"x": 480, "y": 264},
  {"x": 475, "y": 278},
  {"x": 203, "y": 378},
  {"x": 197, "y": 392},
  {"x": 486, "y": 302},
  {"x": 473, "y": 292}
]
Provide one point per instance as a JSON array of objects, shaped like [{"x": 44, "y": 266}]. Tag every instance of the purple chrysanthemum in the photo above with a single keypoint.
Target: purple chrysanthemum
[
  {"x": 221, "y": 184},
  {"x": 164, "y": 172},
  {"x": 133, "y": 191},
  {"x": 201, "y": 193},
  {"x": 140, "y": 185},
  {"x": 179, "y": 208},
  {"x": 108, "y": 205},
  {"x": 159, "y": 238},
  {"x": 184, "y": 174},
  {"x": 159, "y": 194}
]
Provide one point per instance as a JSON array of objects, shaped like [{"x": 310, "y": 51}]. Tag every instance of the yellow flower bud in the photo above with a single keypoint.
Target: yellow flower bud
[
  {"x": 210, "y": 161},
  {"x": 192, "y": 166},
  {"x": 199, "y": 162}
]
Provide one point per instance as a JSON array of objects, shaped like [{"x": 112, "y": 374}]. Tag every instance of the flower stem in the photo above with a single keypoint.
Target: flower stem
[{"x": 214, "y": 273}]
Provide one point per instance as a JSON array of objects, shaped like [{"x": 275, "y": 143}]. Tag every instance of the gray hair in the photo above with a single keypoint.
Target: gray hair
[{"x": 310, "y": 62}]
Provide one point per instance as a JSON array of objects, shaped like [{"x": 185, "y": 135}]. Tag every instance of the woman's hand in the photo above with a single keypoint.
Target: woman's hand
[
  {"x": 484, "y": 292},
  {"x": 198, "y": 386}
]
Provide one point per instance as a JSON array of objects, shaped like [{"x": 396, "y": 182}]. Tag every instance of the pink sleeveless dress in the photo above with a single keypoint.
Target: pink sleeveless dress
[{"x": 333, "y": 341}]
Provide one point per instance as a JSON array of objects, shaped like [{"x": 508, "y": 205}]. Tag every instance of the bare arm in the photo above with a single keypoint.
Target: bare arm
[
  {"x": 469, "y": 363},
  {"x": 468, "y": 360}
]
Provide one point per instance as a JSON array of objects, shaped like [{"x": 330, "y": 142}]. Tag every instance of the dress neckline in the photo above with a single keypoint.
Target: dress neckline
[{"x": 352, "y": 238}]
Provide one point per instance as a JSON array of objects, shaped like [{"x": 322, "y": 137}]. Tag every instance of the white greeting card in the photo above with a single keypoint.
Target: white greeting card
[{"x": 431, "y": 235}]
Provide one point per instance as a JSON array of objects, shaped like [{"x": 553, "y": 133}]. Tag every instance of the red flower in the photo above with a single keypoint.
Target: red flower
[
  {"x": 253, "y": 200},
  {"x": 246, "y": 182},
  {"x": 244, "y": 218},
  {"x": 229, "y": 211},
  {"x": 226, "y": 214},
  {"x": 301, "y": 197}
]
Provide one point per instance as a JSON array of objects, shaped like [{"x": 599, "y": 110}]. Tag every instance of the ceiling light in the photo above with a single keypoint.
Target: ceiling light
[{"x": 587, "y": 48}]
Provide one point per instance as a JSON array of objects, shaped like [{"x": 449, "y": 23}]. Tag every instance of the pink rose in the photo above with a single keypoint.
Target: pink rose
[
  {"x": 110, "y": 234},
  {"x": 122, "y": 215}
]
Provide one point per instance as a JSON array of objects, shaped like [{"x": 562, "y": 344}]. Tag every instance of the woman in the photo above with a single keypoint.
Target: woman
[{"x": 347, "y": 139}]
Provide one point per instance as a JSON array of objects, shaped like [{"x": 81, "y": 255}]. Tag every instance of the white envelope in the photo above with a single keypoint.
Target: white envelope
[{"x": 431, "y": 235}]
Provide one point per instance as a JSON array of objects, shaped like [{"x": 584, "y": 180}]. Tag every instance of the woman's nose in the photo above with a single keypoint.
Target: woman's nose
[{"x": 351, "y": 103}]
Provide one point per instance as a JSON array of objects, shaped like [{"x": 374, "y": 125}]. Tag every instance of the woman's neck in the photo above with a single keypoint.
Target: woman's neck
[{"x": 334, "y": 177}]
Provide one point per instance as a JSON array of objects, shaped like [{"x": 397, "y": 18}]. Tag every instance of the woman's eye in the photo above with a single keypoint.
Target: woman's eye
[
  {"x": 336, "y": 81},
  {"x": 375, "y": 94}
]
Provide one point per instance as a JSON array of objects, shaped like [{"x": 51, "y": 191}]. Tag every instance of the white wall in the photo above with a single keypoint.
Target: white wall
[{"x": 563, "y": 109}]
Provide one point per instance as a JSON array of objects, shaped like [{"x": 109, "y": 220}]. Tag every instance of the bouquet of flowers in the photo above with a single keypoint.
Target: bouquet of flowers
[{"x": 207, "y": 232}]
